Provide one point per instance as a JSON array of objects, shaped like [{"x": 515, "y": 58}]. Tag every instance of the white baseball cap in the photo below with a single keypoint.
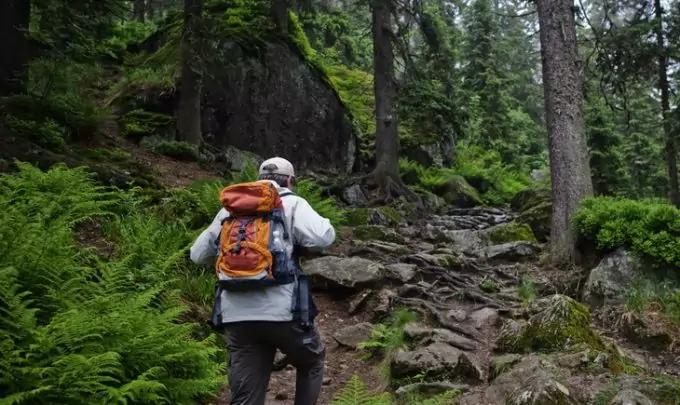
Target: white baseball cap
[{"x": 277, "y": 165}]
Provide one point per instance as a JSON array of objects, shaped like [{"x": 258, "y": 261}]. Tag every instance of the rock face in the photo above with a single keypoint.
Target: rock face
[
  {"x": 275, "y": 104},
  {"x": 608, "y": 281}
]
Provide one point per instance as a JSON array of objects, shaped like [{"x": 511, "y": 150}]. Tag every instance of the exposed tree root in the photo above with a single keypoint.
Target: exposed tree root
[{"x": 391, "y": 186}]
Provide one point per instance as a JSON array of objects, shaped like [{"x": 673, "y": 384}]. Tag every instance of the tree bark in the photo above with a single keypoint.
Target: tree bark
[
  {"x": 189, "y": 109},
  {"x": 671, "y": 146},
  {"x": 570, "y": 170},
  {"x": 279, "y": 14},
  {"x": 139, "y": 10},
  {"x": 14, "y": 20},
  {"x": 386, "y": 173}
]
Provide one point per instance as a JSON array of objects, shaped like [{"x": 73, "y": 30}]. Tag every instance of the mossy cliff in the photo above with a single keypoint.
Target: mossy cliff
[{"x": 265, "y": 93}]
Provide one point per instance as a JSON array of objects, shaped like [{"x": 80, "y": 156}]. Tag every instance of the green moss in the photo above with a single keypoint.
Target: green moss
[
  {"x": 104, "y": 154},
  {"x": 175, "y": 149},
  {"x": 449, "y": 261},
  {"x": 139, "y": 123},
  {"x": 538, "y": 218},
  {"x": 504, "y": 363},
  {"x": 557, "y": 321},
  {"x": 510, "y": 232},
  {"x": 393, "y": 216},
  {"x": 374, "y": 232},
  {"x": 357, "y": 216},
  {"x": 458, "y": 192}
]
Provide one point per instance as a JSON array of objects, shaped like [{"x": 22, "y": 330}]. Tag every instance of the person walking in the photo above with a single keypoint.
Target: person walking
[{"x": 262, "y": 298}]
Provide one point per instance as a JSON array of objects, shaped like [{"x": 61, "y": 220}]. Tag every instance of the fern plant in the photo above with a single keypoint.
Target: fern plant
[
  {"x": 75, "y": 327},
  {"x": 357, "y": 393}
]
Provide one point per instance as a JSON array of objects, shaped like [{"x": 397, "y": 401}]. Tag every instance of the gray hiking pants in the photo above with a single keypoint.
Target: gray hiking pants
[{"x": 252, "y": 347}]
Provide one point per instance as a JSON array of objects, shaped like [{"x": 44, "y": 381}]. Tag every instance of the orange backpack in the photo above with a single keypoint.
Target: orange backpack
[{"x": 252, "y": 245}]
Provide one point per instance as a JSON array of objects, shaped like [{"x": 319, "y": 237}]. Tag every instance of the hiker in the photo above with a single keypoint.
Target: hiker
[{"x": 258, "y": 308}]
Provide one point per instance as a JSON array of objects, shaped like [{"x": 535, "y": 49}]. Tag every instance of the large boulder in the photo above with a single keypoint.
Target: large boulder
[
  {"x": 274, "y": 103},
  {"x": 556, "y": 322},
  {"x": 608, "y": 282},
  {"x": 439, "y": 361},
  {"x": 533, "y": 381},
  {"x": 353, "y": 273}
]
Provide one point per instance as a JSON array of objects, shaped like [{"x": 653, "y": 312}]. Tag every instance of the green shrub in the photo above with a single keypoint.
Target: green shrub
[
  {"x": 76, "y": 328},
  {"x": 484, "y": 171},
  {"x": 139, "y": 123},
  {"x": 47, "y": 133},
  {"x": 114, "y": 154},
  {"x": 387, "y": 337},
  {"x": 648, "y": 229},
  {"x": 179, "y": 150},
  {"x": 326, "y": 206}
]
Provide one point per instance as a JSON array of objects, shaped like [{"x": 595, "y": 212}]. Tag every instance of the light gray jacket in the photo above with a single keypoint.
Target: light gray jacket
[{"x": 309, "y": 230}]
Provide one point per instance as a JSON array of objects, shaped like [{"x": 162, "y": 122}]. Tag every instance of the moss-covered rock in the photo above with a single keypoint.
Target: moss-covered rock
[
  {"x": 511, "y": 232},
  {"x": 530, "y": 197},
  {"x": 538, "y": 218},
  {"x": 376, "y": 232},
  {"x": 385, "y": 215},
  {"x": 557, "y": 322},
  {"x": 458, "y": 192}
]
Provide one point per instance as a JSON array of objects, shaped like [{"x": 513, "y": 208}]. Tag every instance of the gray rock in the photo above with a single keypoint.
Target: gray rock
[
  {"x": 608, "y": 282},
  {"x": 402, "y": 271},
  {"x": 512, "y": 251},
  {"x": 349, "y": 272},
  {"x": 438, "y": 361},
  {"x": 354, "y": 196},
  {"x": 630, "y": 397},
  {"x": 533, "y": 381},
  {"x": 352, "y": 336},
  {"x": 425, "y": 335},
  {"x": 457, "y": 314},
  {"x": 485, "y": 317},
  {"x": 430, "y": 388},
  {"x": 237, "y": 159},
  {"x": 467, "y": 241}
]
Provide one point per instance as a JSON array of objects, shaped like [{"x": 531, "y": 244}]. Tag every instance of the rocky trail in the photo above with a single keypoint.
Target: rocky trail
[{"x": 493, "y": 324}]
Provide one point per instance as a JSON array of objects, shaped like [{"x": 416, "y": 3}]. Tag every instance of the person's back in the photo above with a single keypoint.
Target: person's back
[{"x": 258, "y": 321}]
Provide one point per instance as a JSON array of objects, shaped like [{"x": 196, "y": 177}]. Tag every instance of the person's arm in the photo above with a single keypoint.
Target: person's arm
[
  {"x": 204, "y": 249},
  {"x": 311, "y": 230}
]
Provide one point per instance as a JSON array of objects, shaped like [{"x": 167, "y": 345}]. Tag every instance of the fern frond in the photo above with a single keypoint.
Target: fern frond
[{"x": 357, "y": 393}]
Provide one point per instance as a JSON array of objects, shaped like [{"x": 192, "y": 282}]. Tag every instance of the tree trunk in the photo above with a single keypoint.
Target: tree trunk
[
  {"x": 279, "y": 14},
  {"x": 386, "y": 173},
  {"x": 570, "y": 171},
  {"x": 671, "y": 147},
  {"x": 189, "y": 114},
  {"x": 14, "y": 19},
  {"x": 139, "y": 10}
]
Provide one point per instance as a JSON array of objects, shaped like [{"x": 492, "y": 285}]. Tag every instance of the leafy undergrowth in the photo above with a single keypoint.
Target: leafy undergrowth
[
  {"x": 357, "y": 393},
  {"x": 495, "y": 182},
  {"x": 78, "y": 328},
  {"x": 81, "y": 327},
  {"x": 649, "y": 229}
]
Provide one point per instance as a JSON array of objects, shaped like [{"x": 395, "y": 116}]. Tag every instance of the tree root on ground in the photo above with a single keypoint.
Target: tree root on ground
[
  {"x": 391, "y": 186},
  {"x": 441, "y": 319}
]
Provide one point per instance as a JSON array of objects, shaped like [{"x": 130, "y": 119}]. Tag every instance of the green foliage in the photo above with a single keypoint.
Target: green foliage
[
  {"x": 663, "y": 296},
  {"x": 77, "y": 329},
  {"x": 646, "y": 228},
  {"x": 47, "y": 133},
  {"x": 387, "y": 337},
  {"x": 139, "y": 123},
  {"x": 326, "y": 206},
  {"x": 357, "y": 393},
  {"x": 179, "y": 150},
  {"x": 510, "y": 232},
  {"x": 484, "y": 170},
  {"x": 106, "y": 154},
  {"x": 355, "y": 88}
]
